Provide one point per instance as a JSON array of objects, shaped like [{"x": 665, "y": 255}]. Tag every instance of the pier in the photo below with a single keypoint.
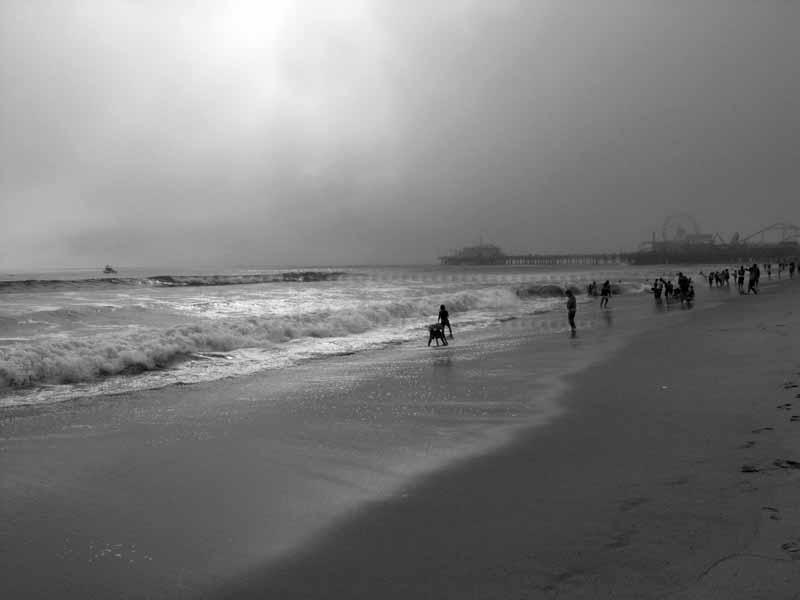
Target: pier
[
  {"x": 489, "y": 254},
  {"x": 563, "y": 259},
  {"x": 681, "y": 242}
]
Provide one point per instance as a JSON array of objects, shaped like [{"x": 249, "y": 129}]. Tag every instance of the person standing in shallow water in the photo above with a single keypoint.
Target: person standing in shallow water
[
  {"x": 752, "y": 281},
  {"x": 572, "y": 307},
  {"x": 605, "y": 293},
  {"x": 444, "y": 320}
]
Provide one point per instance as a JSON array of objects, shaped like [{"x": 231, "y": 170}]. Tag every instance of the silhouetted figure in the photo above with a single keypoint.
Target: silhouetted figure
[
  {"x": 605, "y": 294},
  {"x": 792, "y": 267},
  {"x": 444, "y": 320},
  {"x": 656, "y": 290},
  {"x": 752, "y": 281},
  {"x": 740, "y": 280},
  {"x": 684, "y": 283},
  {"x": 572, "y": 308}
]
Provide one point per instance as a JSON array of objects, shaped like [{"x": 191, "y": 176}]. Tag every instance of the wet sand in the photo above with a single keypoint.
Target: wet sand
[
  {"x": 673, "y": 474},
  {"x": 380, "y": 476}
]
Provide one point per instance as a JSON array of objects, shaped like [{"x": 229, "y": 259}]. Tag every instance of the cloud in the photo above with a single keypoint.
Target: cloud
[{"x": 361, "y": 130}]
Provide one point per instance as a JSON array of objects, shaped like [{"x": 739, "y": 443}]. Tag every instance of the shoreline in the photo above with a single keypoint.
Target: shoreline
[{"x": 623, "y": 496}]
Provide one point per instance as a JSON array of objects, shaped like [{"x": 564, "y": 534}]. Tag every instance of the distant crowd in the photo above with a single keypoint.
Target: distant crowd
[
  {"x": 683, "y": 288},
  {"x": 722, "y": 278}
]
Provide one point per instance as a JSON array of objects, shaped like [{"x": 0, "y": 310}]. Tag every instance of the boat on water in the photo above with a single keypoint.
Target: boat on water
[{"x": 109, "y": 270}]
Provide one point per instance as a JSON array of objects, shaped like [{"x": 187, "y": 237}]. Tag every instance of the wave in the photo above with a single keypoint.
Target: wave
[
  {"x": 552, "y": 290},
  {"x": 90, "y": 357},
  {"x": 169, "y": 281}
]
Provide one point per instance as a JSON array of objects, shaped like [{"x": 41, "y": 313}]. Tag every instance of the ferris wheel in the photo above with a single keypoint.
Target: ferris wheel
[{"x": 677, "y": 226}]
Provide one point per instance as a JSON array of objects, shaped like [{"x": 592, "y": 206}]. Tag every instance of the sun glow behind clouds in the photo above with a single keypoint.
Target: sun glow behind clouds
[{"x": 250, "y": 26}]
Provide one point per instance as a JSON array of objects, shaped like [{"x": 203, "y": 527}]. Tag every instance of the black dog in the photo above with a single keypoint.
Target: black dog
[{"x": 436, "y": 332}]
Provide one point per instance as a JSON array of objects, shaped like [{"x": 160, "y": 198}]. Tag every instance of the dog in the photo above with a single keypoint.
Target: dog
[{"x": 436, "y": 332}]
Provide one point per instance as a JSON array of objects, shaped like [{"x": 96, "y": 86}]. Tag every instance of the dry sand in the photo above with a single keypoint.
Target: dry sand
[{"x": 671, "y": 475}]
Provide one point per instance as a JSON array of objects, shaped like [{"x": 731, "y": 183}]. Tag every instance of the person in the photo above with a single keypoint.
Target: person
[
  {"x": 792, "y": 267},
  {"x": 683, "y": 287},
  {"x": 572, "y": 307},
  {"x": 752, "y": 281},
  {"x": 740, "y": 280},
  {"x": 656, "y": 290},
  {"x": 758, "y": 275},
  {"x": 605, "y": 293},
  {"x": 444, "y": 320}
]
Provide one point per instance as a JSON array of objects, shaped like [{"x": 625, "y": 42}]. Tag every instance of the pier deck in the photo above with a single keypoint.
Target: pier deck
[{"x": 539, "y": 259}]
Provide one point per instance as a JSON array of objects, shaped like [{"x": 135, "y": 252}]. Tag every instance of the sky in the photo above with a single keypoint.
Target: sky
[{"x": 320, "y": 132}]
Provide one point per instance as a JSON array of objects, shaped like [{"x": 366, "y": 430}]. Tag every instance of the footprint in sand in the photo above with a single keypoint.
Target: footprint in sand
[
  {"x": 632, "y": 503},
  {"x": 792, "y": 548},
  {"x": 789, "y": 385},
  {"x": 760, "y": 429},
  {"x": 774, "y": 513},
  {"x": 786, "y": 406},
  {"x": 794, "y": 418},
  {"x": 750, "y": 469},
  {"x": 785, "y": 463},
  {"x": 748, "y": 444}
]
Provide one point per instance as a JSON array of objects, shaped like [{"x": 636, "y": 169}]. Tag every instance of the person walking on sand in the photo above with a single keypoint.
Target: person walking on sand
[
  {"x": 444, "y": 320},
  {"x": 572, "y": 307},
  {"x": 605, "y": 294}
]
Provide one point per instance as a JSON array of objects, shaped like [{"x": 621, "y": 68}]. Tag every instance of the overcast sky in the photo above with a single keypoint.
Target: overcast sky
[{"x": 153, "y": 132}]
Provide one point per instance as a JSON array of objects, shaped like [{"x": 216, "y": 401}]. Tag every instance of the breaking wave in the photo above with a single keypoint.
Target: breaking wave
[
  {"x": 89, "y": 357},
  {"x": 552, "y": 290}
]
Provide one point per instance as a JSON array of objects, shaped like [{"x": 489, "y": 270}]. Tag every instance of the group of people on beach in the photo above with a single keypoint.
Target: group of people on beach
[
  {"x": 722, "y": 278},
  {"x": 592, "y": 290},
  {"x": 683, "y": 290},
  {"x": 605, "y": 292},
  {"x": 753, "y": 272}
]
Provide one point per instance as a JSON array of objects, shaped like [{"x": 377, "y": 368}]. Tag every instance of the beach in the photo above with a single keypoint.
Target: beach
[{"x": 651, "y": 456}]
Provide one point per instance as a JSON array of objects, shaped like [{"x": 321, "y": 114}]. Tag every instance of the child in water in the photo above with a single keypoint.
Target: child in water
[
  {"x": 605, "y": 293},
  {"x": 444, "y": 320}
]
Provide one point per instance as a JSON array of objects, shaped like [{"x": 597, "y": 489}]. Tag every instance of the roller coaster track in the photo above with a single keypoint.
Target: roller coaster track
[{"x": 788, "y": 232}]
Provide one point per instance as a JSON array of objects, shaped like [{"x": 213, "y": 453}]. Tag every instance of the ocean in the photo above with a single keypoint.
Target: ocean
[{"x": 78, "y": 333}]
